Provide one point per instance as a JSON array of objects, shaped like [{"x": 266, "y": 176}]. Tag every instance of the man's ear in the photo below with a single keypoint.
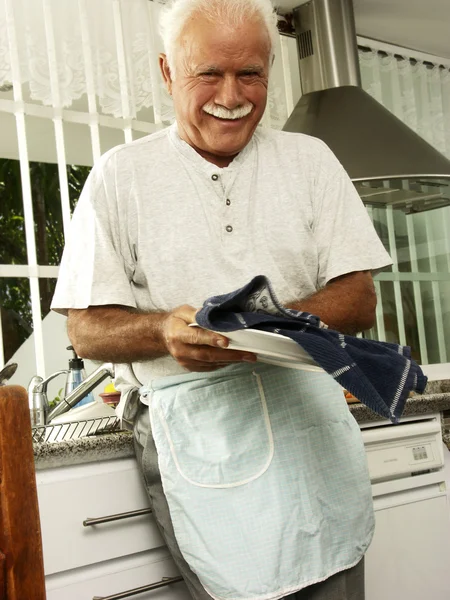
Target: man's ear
[{"x": 165, "y": 72}]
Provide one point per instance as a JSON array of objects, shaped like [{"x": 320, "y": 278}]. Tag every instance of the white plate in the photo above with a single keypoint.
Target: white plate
[{"x": 270, "y": 348}]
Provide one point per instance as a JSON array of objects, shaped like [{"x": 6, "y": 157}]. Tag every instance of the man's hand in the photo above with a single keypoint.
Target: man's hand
[{"x": 194, "y": 348}]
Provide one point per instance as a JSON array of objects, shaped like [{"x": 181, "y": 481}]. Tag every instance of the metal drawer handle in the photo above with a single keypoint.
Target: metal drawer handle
[
  {"x": 118, "y": 517},
  {"x": 140, "y": 590}
]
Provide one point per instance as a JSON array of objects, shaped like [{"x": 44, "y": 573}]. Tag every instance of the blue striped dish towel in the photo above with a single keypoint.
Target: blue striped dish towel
[{"x": 379, "y": 374}]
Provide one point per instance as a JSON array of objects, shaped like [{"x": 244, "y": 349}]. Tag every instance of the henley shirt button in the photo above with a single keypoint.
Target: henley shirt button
[
  {"x": 228, "y": 202},
  {"x": 229, "y": 228},
  {"x": 214, "y": 177}
]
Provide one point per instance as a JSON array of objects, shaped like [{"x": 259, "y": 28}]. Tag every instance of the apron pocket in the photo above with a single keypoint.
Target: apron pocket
[{"x": 218, "y": 430}]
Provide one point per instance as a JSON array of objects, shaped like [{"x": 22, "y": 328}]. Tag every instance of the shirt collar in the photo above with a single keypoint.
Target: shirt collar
[{"x": 201, "y": 163}]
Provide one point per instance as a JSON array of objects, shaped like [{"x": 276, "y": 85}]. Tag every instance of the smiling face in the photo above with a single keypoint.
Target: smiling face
[{"x": 220, "y": 89}]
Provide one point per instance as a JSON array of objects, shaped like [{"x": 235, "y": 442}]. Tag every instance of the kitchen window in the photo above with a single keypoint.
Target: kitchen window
[{"x": 414, "y": 295}]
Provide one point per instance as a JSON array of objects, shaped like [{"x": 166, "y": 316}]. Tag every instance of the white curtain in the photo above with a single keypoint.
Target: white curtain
[
  {"x": 62, "y": 49},
  {"x": 416, "y": 92},
  {"x": 106, "y": 46},
  {"x": 412, "y": 310}
]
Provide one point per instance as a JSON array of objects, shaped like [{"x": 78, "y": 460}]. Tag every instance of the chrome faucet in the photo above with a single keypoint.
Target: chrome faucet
[
  {"x": 86, "y": 386},
  {"x": 37, "y": 398}
]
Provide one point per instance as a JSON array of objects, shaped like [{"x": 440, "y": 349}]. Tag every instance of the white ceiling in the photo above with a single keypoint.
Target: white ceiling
[{"x": 418, "y": 24}]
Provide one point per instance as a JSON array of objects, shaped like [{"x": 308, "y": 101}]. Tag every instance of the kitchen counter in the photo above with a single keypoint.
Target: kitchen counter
[
  {"x": 120, "y": 444},
  {"x": 83, "y": 450},
  {"x": 435, "y": 399}
]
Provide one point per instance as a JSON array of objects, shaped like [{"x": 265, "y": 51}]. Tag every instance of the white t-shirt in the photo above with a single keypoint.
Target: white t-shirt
[{"x": 158, "y": 226}]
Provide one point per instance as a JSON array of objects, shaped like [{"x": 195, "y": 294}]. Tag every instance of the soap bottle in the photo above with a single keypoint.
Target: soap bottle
[{"x": 76, "y": 375}]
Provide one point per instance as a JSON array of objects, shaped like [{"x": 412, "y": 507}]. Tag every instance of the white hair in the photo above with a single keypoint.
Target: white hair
[{"x": 176, "y": 13}]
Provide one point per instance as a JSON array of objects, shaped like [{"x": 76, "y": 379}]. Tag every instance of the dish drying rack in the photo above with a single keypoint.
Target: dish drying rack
[{"x": 73, "y": 430}]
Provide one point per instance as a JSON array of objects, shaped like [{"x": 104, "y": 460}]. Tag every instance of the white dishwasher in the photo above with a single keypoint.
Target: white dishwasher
[{"x": 409, "y": 558}]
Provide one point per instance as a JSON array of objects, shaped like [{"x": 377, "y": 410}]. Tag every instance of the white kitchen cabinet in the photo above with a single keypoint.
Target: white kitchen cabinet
[
  {"x": 409, "y": 557},
  {"x": 118, "y": 576},
  {"x": 447, "y": 471},
  {"x": 69, "y": 495},
  {"x": 82, "y": 562}
]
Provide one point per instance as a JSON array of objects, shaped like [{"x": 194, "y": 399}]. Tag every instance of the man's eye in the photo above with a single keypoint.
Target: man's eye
[{"x": 250, "y": 74}]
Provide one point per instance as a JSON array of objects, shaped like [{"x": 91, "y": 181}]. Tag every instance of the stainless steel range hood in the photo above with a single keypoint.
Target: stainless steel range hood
[{"x": 388, "y": 162}]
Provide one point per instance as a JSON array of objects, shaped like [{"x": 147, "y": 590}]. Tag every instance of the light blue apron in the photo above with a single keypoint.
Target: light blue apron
[{"x": 265, "y": 476}]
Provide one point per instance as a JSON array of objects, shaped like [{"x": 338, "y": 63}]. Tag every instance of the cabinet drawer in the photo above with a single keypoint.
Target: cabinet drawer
[
  {"x": 70, "y": 495},
  {"x": 118, "y": 576}
]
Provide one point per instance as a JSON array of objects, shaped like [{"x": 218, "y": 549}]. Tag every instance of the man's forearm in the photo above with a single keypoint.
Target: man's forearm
[
  {"x": 115, "y": 334},
  {"x": 346, "y": 304}
]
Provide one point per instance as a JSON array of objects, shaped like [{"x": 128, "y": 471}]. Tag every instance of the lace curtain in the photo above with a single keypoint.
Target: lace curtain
[
  {"x": 66, "y": 48},
  {"x": 416, "y": 92},
  {"x": 62, "y": 50}
]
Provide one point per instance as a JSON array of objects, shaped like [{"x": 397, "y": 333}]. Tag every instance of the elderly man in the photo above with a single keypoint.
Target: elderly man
[{"x": 196, "y": 210}]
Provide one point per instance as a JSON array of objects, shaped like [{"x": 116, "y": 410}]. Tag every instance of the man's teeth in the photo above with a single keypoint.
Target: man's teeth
[
  {"x": 232, "y": 116},
  {"x": 224, "y": 118}
]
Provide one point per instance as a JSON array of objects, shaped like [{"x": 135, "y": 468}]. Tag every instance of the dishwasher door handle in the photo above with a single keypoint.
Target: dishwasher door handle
[
  {"x": 117, "y": 517},
  {"x": 140, "y": 590}
]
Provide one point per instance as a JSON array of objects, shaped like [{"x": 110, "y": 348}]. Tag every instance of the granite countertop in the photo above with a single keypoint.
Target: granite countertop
[
  {"x": 436, "y": 398},
  {"x": 120, "y": 444},
  {"x": 83, "y": 450}
]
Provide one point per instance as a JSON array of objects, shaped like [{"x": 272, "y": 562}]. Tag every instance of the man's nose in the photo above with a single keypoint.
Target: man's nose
[{"x": 229, "y": 93}]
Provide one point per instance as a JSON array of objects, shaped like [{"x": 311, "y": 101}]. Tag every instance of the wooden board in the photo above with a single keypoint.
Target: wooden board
[{"x": 20, "y": 528}]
